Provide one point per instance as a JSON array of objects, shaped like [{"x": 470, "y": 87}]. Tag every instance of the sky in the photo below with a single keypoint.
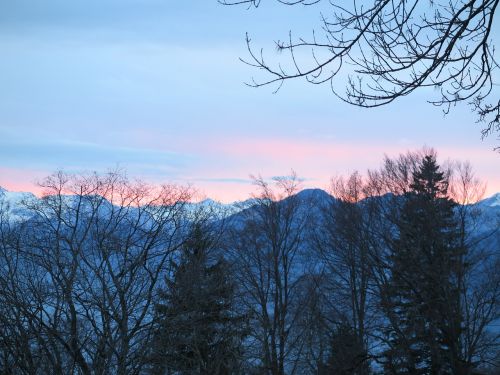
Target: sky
[{"x": 156, "y": 88}]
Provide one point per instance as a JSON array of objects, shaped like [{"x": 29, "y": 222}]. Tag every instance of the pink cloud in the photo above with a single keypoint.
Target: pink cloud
[
  {"x": 224, "y": 164},
  {"x": 315, "y": 160}
]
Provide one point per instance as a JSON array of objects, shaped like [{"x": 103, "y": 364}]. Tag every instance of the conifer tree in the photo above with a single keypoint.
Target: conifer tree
[
  {"x": 348, "y": 355},
  {"x": 199, "y": 331},
  {"x": 423, "y": 296}
]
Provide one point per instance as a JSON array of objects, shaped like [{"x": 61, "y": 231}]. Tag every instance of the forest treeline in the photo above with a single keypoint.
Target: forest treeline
[{"x": 394, "y": 272}]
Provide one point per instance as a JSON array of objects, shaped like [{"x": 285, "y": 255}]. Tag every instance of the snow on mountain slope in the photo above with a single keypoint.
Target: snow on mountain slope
[
  {"x": 13, "y": 203},
  {"x": 493, "y": 201},
  {"x": 14, "y": 198}
]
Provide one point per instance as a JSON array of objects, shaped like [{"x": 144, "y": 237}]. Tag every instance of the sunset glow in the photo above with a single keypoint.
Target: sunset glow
[{"x": 163, "y": 99}]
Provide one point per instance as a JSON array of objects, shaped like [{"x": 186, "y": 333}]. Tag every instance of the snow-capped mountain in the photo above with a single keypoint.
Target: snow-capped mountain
[
  {"x": 493, "y": 201},
  {"x": 14, "y": 203}
]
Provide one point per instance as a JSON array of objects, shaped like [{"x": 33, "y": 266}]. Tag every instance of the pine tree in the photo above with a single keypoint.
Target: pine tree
[
  {"x": 423, "y": 296},
  {"x": 198, "y": 330},
  {"x": 348, "y": 355}
]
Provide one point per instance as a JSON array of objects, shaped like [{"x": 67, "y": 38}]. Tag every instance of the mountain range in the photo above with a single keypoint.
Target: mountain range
[
  {"x": 13, "y": 201},
  {"x": 312, "y": 200}
]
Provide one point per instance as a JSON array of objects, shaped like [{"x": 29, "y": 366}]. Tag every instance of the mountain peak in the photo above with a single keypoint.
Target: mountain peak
[
  {"x": 313, "y": 193},
  {"x": 493, "y": 201}
]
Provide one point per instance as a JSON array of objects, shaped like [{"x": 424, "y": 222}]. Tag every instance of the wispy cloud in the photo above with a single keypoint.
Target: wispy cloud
[
  {"x": 91, "y": 85},
  {"x": 75, "y": 155},
  {"x": 224, "y": 180}
]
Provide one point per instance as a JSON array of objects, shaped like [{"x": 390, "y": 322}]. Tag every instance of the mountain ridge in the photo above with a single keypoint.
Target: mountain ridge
[{"x": 308, "y": 193}]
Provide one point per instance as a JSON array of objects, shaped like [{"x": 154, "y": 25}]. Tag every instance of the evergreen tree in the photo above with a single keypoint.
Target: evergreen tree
[
  {"x": 348, "y": 355},
  {"x": 198, "y": 330},
  {"x": 423, "y": 296}
]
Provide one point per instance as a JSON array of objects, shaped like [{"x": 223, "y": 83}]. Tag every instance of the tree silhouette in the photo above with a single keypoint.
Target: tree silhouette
[
  {"x": 391, "y": 48},
  {"x": 198, "y": 330},
  {"x": 424, "y": 294}
]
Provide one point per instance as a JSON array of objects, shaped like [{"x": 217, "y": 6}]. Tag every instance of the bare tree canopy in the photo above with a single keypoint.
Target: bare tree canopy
[
  {"x": 389, "y": 48},
  {"x": 392, "y": 272}
]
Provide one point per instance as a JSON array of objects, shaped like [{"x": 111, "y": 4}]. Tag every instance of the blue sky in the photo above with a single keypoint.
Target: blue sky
[{"x": 156, "y": 87}]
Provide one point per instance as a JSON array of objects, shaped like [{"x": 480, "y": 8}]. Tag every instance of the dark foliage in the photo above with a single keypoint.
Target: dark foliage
[
  {"x": 423, "y": 295},
  {"x": 199, "y": 331}
]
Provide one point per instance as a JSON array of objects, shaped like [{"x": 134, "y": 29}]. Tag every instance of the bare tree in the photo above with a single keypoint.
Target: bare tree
[
  {"x": 83, "y": 272},
  {"x": 267, "y": 243},
  {"x": 478, "y": 279},
  {"x": 83, "y": 267},
  {"x": 388, "y": 49},
  {"x": 318, "y": 315},
  {"x": 343, "y": 242},
  {"x": 21, "y": 348}
]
